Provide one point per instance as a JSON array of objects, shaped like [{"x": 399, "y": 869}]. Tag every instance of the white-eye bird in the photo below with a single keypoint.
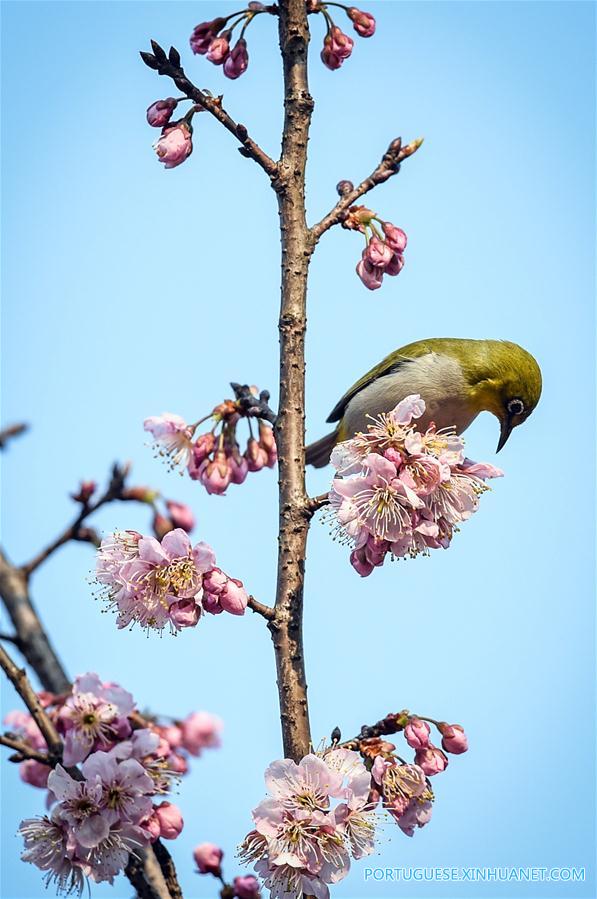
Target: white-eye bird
[{"x": 457, "y": 379}]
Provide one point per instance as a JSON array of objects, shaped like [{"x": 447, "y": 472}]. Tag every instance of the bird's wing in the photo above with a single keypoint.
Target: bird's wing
[{"x": 387, "y": 366}]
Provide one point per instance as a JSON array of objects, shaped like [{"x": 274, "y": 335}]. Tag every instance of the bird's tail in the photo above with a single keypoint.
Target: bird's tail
[{"x": 318, "y": 453}]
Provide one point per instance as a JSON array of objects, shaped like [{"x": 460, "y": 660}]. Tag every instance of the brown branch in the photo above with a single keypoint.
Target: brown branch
[
  {"x": 171, "y": 67},
  {"x": 261, "y": 608},
  {"x": 7, "y": 434},
  {"x": 20, "y": 681},
  {"x": 75, "y": 531},
  {"x": 389, "y": 165},
  {"x": 315, "y": 503},
  {"x": 287, "y": 625},
  {"x": 25, "y": 751}
]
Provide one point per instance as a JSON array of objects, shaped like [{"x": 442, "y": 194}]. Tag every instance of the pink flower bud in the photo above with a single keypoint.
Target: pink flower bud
[
  {"x": 204, "y": 33},
  {"x": 378, "y": 253},
  {"x": 175, "y": 144},
  {"x": 219, "y": 49},
  {"x": 34, "y": 773},
  {"x": 395, "y": 237},
  {"x": 266, "y": 436},
  {"x": 234, "y": 597},
  {"x": 239, "y": 468},
  {"x": 215, "y": 581},
  {"x": 238, "y": 60},
  {"x": 328, "y": 58},
  {"x": 256, "y": 456},
  {"x": 395, "y": 265},
  {"x": 215, "y": 474},
  {"x": 202, "y": 448},
  {"x": 171, "y": 823},
  {"x": 359, "y": 562},
  {"x": 246, "y": 887},
  {"x": 161, "y": 525},
  {"x": 376, "y": 551},
  {"x": 370, "y": 275},
  {"x": 160, "y": 112},
  {"x": 363, "y": 22},
  {"x": 184, "y": 613},
  {"x": 200, "y": 730},
  {"x": 151, "y": 826},
  {"x": 453, "y": 738},
  {"x": 211, "y": 603},
  {"x": 180, "y": 515},
  {"x": 208, "y": 858},
  {"x": 177, "y": 763},
  {"x": 417, "y": 733},
  {"x": 431, "y": 759},
  {"x": 173, "y": 735},
  {"x": 340, "y": 44}
]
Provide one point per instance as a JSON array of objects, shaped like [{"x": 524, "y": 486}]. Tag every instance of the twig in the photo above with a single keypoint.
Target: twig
[
  {"x": 24, "y": 749},
  {"x": 261, "y": 608},
  {"x": 20, "y": 681},
  {"x": 251, "y": 405},
  {"x": 6, "y": 434},
  {"x": 315, "y": 503},
  {"x": 171, "y": 67},
  {"x": 389, "y": 165},
  {"x": 75, "y": 531}
]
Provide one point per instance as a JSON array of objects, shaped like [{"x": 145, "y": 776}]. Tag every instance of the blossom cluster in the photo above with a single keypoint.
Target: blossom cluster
[
  {"x": 318, "y": 814},
  {"x": 384, "y": 246},
  {"x": 113, "y": 805},
  {"x": 214, "y": 39},
  {"x": 167, "y": 583},
  {"x": 208, "y": 858},
  {"x": 214, "y": 457},
  {"x": 324, "y": 810},
  {"x": 400, "y": 491}
]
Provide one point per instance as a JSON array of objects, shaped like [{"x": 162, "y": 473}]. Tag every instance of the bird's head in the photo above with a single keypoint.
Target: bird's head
[{"x": 509, "y": 385}]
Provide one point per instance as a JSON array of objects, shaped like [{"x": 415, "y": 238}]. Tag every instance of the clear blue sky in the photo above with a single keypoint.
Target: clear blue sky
[{"x": 129, "y": 290}]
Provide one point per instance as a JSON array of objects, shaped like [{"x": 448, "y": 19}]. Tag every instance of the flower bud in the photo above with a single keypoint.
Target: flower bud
[
  {"x": 363, "y": 22},
  {"x": 151, "y": 826},
  {"x": 184, "y": 613},
  {"x": 215, "y": 475},
  {"x": 238, "y": 468},
  {"x": 328, "y": 58},
  {"x": 246, "y": 887},
  {"x": 431, "y": 759},
  {"x": 454, "y": 739},
  {"x": 344, "y": 187},
  {"x": 395, "y": 266},
  {"x": 160, "y": 112},
  {"x": 378, "y": 253},
  {"x": 417, "y": 733},
  {"x": 219, "y": 49},
  {"x": 202, "y": 448},
  {"x": 237, "y": 62},
  {"x": 256, "y": 456},
  {"x": 208, "y": 858},
  {"x": 173, "y": 734},
  {"x": 215, "y": 581},
  {"x": 204, "y": 33},
  {"x": 340, "y": 44},
  {"x": 370, "y": 275},
  {"x": 211, "y": 603},
  {"x": 396, "y": 239},
  {"x": 161, "y": 525},
  {"x": 359, "y": 562},
  {"x": 85, "y": 492},
  {"x": 34, "y": 773},
  {"x": 200, "y": 730},
  {"x": 234, "y": 598},
  {"x": 170, "y": 818},
  {"x": 140, "y": 494},
  {"x": 175, "y": 144},
  {"x": 180, "y": 515}
]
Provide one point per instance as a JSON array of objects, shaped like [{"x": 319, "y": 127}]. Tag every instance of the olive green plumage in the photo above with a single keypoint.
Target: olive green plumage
[{"x": 457, "y": 378}]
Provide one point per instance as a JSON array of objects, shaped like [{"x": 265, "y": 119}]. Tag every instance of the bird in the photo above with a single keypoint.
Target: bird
[{"x": 457, "y": 378}]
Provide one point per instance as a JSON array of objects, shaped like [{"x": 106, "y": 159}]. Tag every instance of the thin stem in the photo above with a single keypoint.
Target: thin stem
[
  {"x": 20, "y": 681},
  {"x": 315, "y": 503},
  {"x": 261, "y": 608},
  {"x": 24, "y": 749}
]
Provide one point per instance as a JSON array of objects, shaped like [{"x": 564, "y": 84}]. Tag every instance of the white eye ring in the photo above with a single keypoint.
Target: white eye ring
[{"x": 516, "y": 407}]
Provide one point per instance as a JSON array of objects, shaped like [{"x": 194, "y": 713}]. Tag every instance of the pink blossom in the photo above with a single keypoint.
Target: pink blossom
[
  {"x": 378, "y": 253},
  {"x": 340, "y": 44},
  {"x": 125, "y": 787},
  {"x": 80, "y": 806},
  {"x": 48, "y": 847},
  {"x": 208, "y": 858},
  {"x": 370, "y": 275},
  {"x": 34, "y": 773},
  {"x": 246, "y": 887},
  {"x": 454, "y": 739},
  {"x": 417, "y": 733},
  {"x": 395, "y": 237},
  {"x": 160, "y": 112},
  {"x": 95, "y": 714},
  {"x": 172, "y": 437},
  {"x": 181, "y": 515},
  {"x": 200, "y": 730},
  {"x": 170, "y": 820},
  {"x": 360, "y": 563},
  {"x": 219, "y": 48},
  {"x": 234, "y": 598},
  {"x": 184, "y": 613},
  {"x": 363, "y": 22},
  {"x": 431, "y": 759},
  {"x": 237, "y": 61},
  {"x": 215, "y": 474},
  {"x": 238, "y": 467},
  {"x": 201, "y": 449},
  {"x": 204, "y": 33},
  {"x": 417, "y": 814},
  {"x": 22, "y": 723},
  {"x": 161, "y": 525},
  {"x": 256, "y": 456},
  {"x": 175, "y": 145},
  {"x": 395, "y": 265}
]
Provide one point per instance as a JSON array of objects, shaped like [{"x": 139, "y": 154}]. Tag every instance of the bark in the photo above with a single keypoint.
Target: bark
[{"x": 296, "y": 244}]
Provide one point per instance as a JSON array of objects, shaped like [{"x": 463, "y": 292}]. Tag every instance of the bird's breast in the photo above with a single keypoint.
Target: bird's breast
[{"x": 439, "y": 381}]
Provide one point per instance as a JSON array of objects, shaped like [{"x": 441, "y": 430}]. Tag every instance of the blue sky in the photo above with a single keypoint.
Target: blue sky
[{"x": 128, "y": 290}]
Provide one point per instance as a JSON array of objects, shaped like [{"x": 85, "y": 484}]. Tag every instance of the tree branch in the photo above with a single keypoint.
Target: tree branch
[
  {"x": 171, "y": 67},
  {"x": 7, "y": 434},
  {"x": 315, "y": 503},
  {"x": 20, "y": 681},
  {"x": 389, "y": 165},
  {"x": 261, "y": 608},
  {"x": 24, "y": 750}
]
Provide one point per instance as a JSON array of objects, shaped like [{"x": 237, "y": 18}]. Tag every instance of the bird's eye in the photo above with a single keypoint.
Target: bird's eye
[{"x": 516, "y": 407}]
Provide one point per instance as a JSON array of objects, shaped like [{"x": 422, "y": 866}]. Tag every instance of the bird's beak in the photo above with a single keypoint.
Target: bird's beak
[{"x": 506, "y": 427}]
